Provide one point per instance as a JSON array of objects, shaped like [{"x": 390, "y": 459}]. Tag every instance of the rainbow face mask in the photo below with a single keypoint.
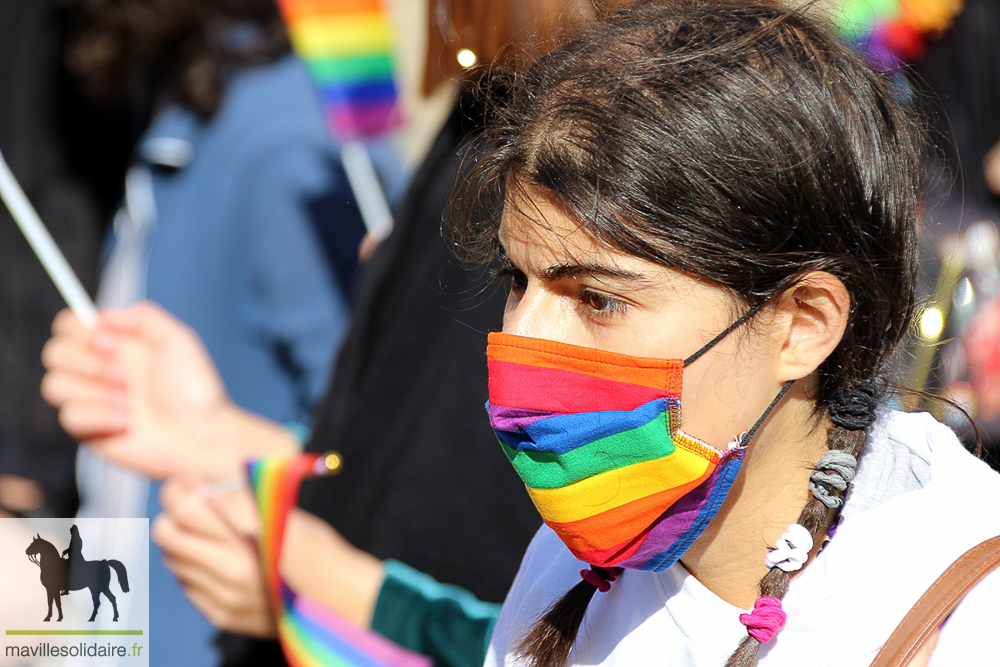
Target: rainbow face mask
[{"x": 595, "y": 437}]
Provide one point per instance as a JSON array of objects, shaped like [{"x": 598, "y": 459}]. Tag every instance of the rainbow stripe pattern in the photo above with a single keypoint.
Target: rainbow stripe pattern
[
  {"x": 594, "y": 437},
  {"x": 347, "y": 48},
  {"x": 310, "y": 634},
  {"x": 894, "y": 32}
]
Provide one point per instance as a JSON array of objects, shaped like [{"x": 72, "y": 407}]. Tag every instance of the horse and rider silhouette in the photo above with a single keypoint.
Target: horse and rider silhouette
[{"x": 60, "y": 575}]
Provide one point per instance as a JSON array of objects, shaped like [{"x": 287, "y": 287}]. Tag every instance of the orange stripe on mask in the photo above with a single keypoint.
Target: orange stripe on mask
[
  {"x": 662, "y": 374},
  {"x": 611, "y": 530}
]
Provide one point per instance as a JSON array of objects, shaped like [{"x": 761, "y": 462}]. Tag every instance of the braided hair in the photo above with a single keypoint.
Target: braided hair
[
  {"x": 851, "y": 413},
  {"x": 740, "y": 142}
]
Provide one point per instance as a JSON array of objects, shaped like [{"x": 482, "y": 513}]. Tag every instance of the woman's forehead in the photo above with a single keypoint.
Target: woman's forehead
[
  {"x": 539, "y": 235},
  {"x": 541, "y": 238},
  {"x": 538, "y": 225}
]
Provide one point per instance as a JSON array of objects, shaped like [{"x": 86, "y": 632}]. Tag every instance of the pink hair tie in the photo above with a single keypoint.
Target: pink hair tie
[
  {"x": 599, "y": 577},
  {"x": 765, "y": 620}
]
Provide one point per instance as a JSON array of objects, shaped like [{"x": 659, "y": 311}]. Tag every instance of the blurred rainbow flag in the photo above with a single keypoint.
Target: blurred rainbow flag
[
  {"x": 892, "y": 33},
  {"x": 310, "y": 634},
  {"x": 347, "y": 48}
]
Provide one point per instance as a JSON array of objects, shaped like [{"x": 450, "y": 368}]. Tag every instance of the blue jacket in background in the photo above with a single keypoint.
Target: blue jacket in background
[
  {"x": 256, "y": 237},
  {"x": 254, "y": 245}
]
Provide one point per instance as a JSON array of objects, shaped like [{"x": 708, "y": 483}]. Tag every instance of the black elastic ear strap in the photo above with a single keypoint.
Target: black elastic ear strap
[
  {"x": 732, "y": 327},
  {"x": 745, "y": 440}
]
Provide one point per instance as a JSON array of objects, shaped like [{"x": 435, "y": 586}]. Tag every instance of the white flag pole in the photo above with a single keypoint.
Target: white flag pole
[
  {"x": 367, "y": 190},
  {"x": 48, "y": 252}
]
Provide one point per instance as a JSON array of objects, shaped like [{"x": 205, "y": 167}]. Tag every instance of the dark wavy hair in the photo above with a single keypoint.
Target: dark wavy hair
[
  {"x": 130, "y": 50},
  {"x": 733, "y": 140}
]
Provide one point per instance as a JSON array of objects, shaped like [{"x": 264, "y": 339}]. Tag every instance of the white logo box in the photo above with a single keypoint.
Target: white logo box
[{"x": 75, "y": 641}]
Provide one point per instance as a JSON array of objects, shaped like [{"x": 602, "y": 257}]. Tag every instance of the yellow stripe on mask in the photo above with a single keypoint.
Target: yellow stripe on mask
[{"x": 614, "y": 488}]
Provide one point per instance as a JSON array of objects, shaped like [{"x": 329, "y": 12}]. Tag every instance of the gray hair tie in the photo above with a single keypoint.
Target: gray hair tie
[{"x": 833, "y": 473}]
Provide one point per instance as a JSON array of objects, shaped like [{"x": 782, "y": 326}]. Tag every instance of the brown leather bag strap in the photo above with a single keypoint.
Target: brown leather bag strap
[{"x": 937, "y": 602}]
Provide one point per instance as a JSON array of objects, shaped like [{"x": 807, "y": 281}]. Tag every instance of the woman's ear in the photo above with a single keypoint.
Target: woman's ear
[{"x": 813, "y": 317}]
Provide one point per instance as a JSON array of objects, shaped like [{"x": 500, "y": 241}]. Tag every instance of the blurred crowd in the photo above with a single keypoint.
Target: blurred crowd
[{"x": 178, "y": 152}]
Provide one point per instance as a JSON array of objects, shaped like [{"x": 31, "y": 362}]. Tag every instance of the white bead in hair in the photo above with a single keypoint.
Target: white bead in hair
[{"x": 791, "y": 551}]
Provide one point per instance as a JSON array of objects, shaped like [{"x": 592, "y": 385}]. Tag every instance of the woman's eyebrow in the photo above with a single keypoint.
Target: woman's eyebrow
[
  {"x": 561, "y": 271},
  {"x": 571, "y": 270}
]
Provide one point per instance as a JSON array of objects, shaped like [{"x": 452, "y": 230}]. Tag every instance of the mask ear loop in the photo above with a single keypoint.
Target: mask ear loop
[
  {"x": 745, "y": 440},
  {"x": 732, "y": 327}
]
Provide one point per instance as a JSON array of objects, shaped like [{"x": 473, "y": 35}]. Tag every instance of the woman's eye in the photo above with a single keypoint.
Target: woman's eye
[{"x": 600, "y": 303}]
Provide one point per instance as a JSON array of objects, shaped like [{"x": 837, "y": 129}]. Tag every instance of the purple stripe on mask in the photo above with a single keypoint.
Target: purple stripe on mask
[
  {"x": 511, "y": 419},
  {"x": 674, "y": 523}
]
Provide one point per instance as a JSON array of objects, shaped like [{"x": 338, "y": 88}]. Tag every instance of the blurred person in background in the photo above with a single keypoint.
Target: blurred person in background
[
  {"x": 237, "y": 218},
  {"x": 422, "y": 482},
  {"x": 944, "y": 56},
  {"x": 960, "y": 79},
  {"x": 69, "y": 153}
]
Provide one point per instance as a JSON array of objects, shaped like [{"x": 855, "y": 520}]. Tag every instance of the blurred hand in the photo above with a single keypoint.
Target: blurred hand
[
  {"x": 367, "y": 247},
  {"x": 210, "y": 545},
  {"x": 20, "y": 494},
  {"x": 143, "y": 391}
]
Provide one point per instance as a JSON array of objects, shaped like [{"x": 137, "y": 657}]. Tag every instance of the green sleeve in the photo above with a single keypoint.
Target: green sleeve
[{"x": 447, "y": 623}]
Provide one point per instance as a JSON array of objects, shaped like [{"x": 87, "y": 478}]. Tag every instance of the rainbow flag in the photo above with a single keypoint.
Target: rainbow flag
[
  {"x": 347, "y": 48},
  {"x": 310, "y": 634},
  {"x": 894, "y": 32}
]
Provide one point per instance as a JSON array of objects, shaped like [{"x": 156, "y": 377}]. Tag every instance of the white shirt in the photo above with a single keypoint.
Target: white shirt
[{"x": 918, "y": 502}]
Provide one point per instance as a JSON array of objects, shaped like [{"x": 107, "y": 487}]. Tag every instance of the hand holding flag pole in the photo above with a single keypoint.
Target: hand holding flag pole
[
  {"x": 45, "y": 248},
  {"x": 311, "y": 635}
]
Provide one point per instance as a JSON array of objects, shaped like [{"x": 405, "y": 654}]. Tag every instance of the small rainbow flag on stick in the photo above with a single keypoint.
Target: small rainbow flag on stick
[
  {"x": 347, "y": 48},
  {"x": 310, "y": 634}
]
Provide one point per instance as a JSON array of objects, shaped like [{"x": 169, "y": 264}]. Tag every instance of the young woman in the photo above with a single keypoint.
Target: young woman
[{"x": 706, "y": 210}]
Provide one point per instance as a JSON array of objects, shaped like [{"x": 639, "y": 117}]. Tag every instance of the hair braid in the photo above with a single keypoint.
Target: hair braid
[
  {"x": 551, "y": 638},
  {"x": 851, "y": 412}
]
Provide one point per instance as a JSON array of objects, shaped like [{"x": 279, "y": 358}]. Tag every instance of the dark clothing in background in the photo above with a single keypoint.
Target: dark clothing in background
[
  {"x": 960, "y": 79},
  {"x": 62, "y": 151},
  {"x": 424, "y": 479},
  {"x": 962, "y": 73}
]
